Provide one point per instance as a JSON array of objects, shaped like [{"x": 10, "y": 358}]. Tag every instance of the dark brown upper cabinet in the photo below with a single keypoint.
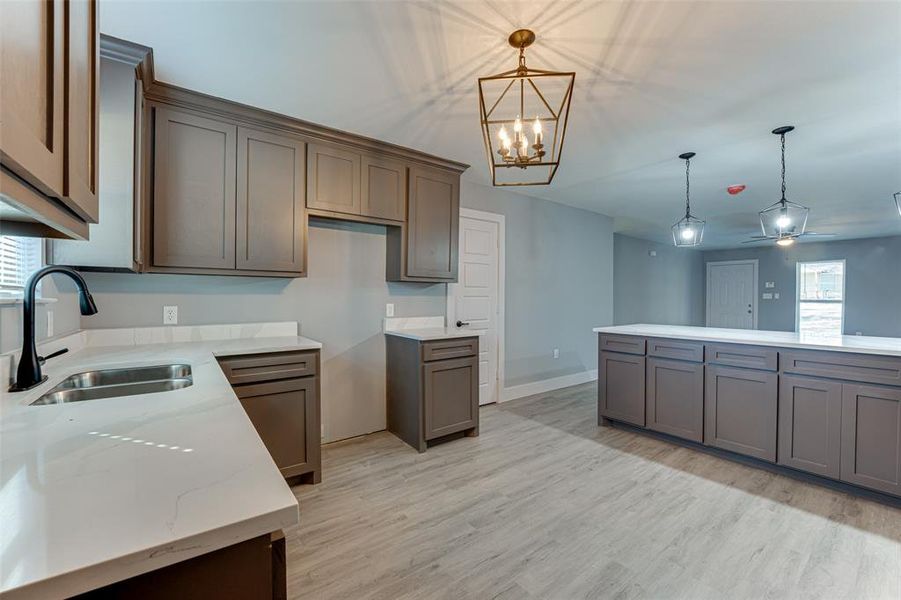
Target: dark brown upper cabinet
[
  {"x": 384, "y": 193},
  {"x": 425, "y": 248},
  {"x": 80, "y": 178},
  {"x": 193, "y": 191},
  {"x": 334, "y": 179},
  {"x": 271, "y": 219},
  {"x": 48, "y": 116}
]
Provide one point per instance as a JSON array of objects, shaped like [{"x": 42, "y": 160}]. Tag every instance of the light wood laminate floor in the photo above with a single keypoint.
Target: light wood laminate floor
[{"x": 545, "y": 504}]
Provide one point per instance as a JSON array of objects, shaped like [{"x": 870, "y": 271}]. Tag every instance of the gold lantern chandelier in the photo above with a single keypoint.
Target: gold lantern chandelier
[{"x": 524, "y": 113}]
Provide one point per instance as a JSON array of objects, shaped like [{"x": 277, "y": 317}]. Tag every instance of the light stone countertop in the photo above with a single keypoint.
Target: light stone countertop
[
  {"x": 883, "y": 346},
  {"x": 98, "y": 491},
  {"x": 434, "y": 333}
]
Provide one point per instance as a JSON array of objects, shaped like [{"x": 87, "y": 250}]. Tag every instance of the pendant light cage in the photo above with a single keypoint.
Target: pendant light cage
[
  {"x": 689, "y": 230},
  {"x": 783, "y": 219},
  {"x": 897, "y": 196},
  {"x": 524, "y": 113}
]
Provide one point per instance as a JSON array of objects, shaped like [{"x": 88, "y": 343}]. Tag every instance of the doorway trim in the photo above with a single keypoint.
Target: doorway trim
[
  {"x": 746, "y": 261},
  {"x": 451, "y": 309}
]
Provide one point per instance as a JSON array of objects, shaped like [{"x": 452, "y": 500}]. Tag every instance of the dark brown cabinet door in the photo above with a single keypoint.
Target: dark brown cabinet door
[
  {"x": 871, "y": 437},
  {"x": 333, "y": 183},
  {"x": 810, "y": 416},
  {"x": 433, "y": 219},
  {"x": 286, "y": 415},
  {"x": 621, "y": 387},
  {"x": 271, "y": 218},
  {"x": 675, "y": 398},
  {"x": 740, "y": 411},
  {"x": 194, "y": 191},
  {"x": 384, "y": 193},
  {"x": 451, "y": 394},
  {"x": 32, "y": 93},
  {"x": 82, "y": 108}
]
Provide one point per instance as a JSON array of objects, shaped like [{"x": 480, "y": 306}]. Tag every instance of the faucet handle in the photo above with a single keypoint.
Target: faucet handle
[{"x": 43, "y": 359}]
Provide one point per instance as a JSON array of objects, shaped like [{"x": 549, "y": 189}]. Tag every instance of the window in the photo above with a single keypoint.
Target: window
[
  {"x": 19, "y": 258},
  {"x": 821, "y": 295}
]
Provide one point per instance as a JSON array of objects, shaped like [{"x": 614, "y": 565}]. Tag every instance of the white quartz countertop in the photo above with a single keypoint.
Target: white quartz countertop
[
  {"x": 94, "y": 492},
  {"x": 884, "y": 346},
  {"x": 434, "y": 333}
]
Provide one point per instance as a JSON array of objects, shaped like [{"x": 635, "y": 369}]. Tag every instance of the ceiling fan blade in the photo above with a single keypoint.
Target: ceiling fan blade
[
  {"x": 755, "y": 240},
  {"x": 818, "y": 234}
]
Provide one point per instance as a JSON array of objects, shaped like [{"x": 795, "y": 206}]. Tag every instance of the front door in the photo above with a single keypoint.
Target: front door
[
  {"x": 732, "y": 294},
  {"x": 473, "y": 301}
]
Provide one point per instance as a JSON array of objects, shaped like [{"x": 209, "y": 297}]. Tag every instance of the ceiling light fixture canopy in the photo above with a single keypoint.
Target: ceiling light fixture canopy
[
  {"x": 689, "y": 230},
  {"x": 524, "y": 113},
  {"x": 783, "y": 219}
]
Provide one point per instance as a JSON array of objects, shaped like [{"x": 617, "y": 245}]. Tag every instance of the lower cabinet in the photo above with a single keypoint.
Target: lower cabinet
[
  {"x": 621, "y": 387},
  {"x": 675, "y": 398},
  {"x": 740, "y": 411},
  {"x": 810, "y": 418},
  {"x": 433, "y": 388},
  {"x": 871, "y": 437},
  {"x": 280, "y": 393}
]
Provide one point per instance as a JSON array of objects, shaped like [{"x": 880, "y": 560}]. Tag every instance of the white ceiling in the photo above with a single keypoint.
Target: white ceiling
[{"x": 654, "y": 79}]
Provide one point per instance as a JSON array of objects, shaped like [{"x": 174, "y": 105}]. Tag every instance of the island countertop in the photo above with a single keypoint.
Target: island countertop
[
  {"x": 98, "y": 491},
  {"x": 858, "y": 344}
]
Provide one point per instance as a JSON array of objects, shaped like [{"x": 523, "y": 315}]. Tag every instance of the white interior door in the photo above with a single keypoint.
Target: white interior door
[
  {"x": 732, "y": 294},
  {"x": 473, "y": 302}
]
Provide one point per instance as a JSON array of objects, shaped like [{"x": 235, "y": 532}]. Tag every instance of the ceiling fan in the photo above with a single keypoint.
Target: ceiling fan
[{"x": 784, "y": 221}]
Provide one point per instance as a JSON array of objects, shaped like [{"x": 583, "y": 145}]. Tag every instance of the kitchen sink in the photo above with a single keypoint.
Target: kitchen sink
[{"x": 108, "y": 383}]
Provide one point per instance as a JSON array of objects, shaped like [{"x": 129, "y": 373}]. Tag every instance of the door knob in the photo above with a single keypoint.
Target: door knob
[{"x": 462, "y": 323}]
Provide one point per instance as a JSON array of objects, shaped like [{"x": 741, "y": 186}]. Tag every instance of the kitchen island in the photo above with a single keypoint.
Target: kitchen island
[
  {"x": 828, "y": 407},
  {"x": 101, "y": 491}
]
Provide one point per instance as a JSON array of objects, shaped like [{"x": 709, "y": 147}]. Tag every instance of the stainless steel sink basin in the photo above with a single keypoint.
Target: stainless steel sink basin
[{"x": 108, "y": 383}]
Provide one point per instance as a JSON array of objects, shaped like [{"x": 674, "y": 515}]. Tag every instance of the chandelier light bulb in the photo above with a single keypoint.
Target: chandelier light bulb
[
  {"x": 503, "y": 133},
  {"x": 687, "y": 234},
  {"x": 517, "y": 125},
  {"x": 783, "y": 221}
]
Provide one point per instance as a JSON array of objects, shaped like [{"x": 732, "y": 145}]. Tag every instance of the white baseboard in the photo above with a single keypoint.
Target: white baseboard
[{"x": 547, "y": 385}]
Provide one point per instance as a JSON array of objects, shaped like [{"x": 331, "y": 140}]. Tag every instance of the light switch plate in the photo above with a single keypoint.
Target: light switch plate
[
  {"x": 770, "y": 284},
  {"x": 556, "y": 352},
  {"x": 776, "y": 295},
  {"x": 389, "y": 310},
  {"x": 170, "y": 315},
  {"x": 767, "y": 296}
]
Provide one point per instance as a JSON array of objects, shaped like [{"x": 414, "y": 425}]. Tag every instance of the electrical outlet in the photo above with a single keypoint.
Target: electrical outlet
[
  {"x": 49, "y": 323},
  {"x": 556, "y": 352},
  {"x": 170, "y": 315},
  {"x": 389, "y": 310}
]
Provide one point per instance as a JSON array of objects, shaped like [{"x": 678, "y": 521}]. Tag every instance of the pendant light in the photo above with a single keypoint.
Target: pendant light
[
  {"x": 523, "y": 113},
  {"x": 897, "y": 196},
  {"x": 783, "y": 220},
  {"x": 689, "y": 230}
]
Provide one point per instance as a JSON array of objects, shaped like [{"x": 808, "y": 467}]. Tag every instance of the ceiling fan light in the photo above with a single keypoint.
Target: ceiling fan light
[{"x": 786, "y": 241}]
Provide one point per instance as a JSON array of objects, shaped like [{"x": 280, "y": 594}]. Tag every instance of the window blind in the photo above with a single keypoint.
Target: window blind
[{"x": 19, "y": 258}]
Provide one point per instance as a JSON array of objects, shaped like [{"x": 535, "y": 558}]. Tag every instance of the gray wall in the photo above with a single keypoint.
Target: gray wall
[
  {"x": 559, "y": 267},
  {"x": 667, "y": 288},
  {"x": 872, "y": 285}
]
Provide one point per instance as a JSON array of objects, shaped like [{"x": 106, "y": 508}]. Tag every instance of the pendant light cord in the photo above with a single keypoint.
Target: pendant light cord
[
  {"x": 687, "y": 187},
  {"x": 783, "y": 168}
]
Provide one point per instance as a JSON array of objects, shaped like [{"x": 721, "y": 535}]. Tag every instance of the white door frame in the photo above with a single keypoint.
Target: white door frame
[
  {"x": 747, "y": 261},
  {"x": 501, "y": 278}
]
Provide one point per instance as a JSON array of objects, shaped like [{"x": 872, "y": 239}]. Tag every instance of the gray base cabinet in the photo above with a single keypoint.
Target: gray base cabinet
[
  {"x": 740, "y": 411},
  {"x": 432, "y": 389},
  {"x": 621, "y": 387},
  {"x": 810, "y": 418},
  {"x": 280, "y": 393},
  {"x": 675, "y": 398},
  {"x": 871, "y": 437}
]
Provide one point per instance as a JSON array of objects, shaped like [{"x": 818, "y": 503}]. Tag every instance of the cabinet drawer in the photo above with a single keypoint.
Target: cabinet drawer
[
  {"x": 268, "y": 367},
  {"x": 455, "y": 348},
  {"x": 851, "y": 367},
  {"x": 621, "y": 343},
  {"x": 676, "y": 349},
  {"x": 737, "y": 355}
]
